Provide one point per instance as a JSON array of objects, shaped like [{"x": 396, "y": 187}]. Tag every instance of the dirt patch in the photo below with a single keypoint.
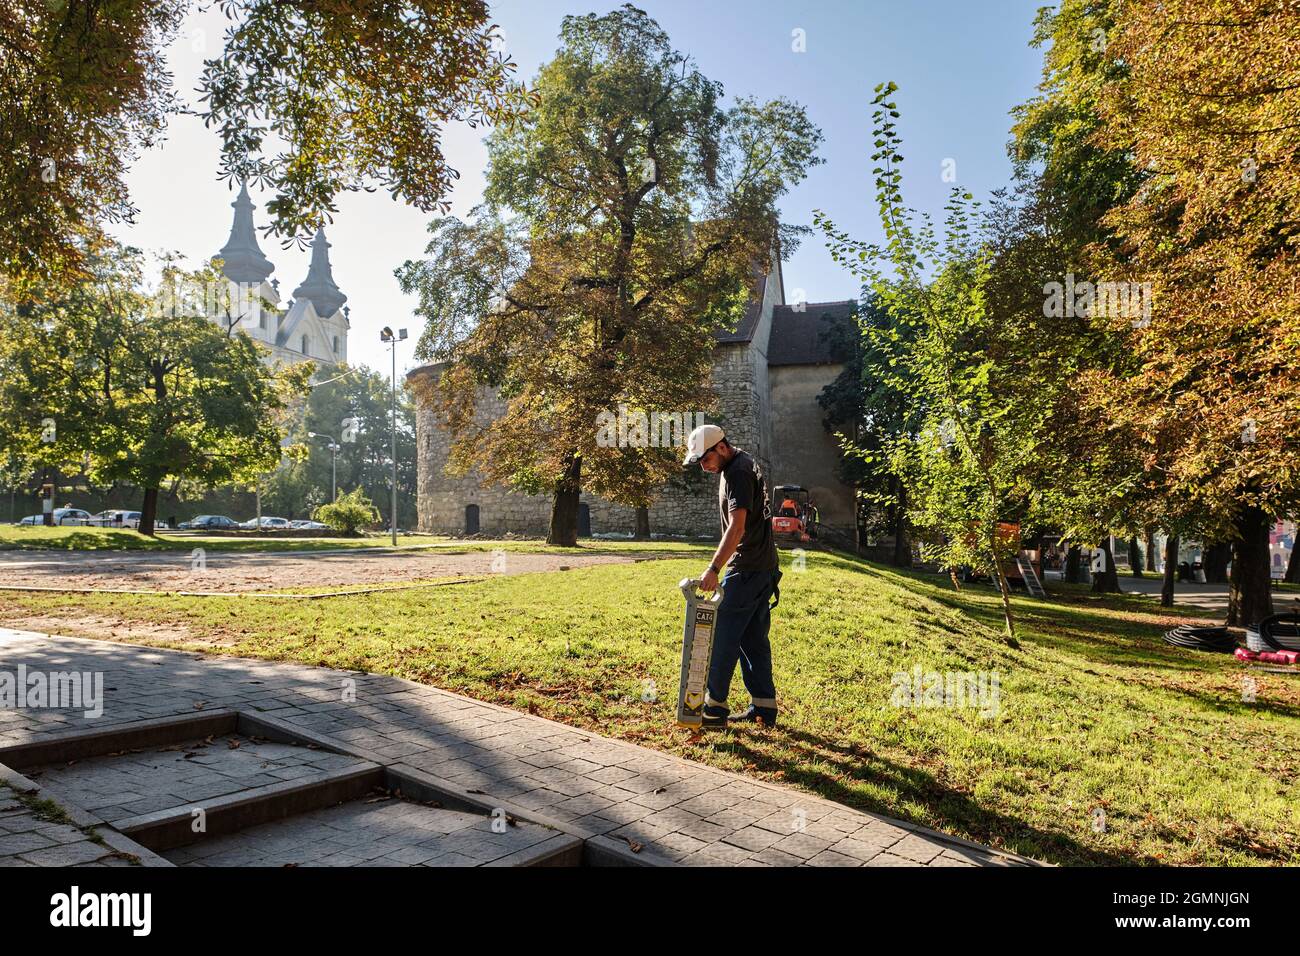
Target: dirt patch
[
  {"x": 105, "y": 628},
  {"x": 232, "y": 571}
]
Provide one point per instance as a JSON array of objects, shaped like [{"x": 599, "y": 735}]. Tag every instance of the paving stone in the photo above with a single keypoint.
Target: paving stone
[
  {"x": 831, "y": 858},
  {"x": 705, "y": 858},
  {"x": 857, "y": 849},
  {"x": 916, "y": 848},
  {"x": 678, "y": 845},
  {"x": 672, "y": 818},
  {"x": 803, "y": 845},
  {"x": 704, "y": 830},
  {"x": 584, "y": 804},
  {"x": 597, "y": 824},
  {"x": 728, "y": 853},
  {"x": 944, "y": 860},
  {"x": 774, "y": 857},
  {"x": 610, "y": 774},
  {"x": 22, "y": 842},
  {"x": 752, "y": 839},
  {"x": 626, "y": 812},
  {"x": 66, "y": 854}
]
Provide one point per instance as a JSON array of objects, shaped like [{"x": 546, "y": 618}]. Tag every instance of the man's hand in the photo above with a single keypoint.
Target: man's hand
[{"x": 709, "y": 581}]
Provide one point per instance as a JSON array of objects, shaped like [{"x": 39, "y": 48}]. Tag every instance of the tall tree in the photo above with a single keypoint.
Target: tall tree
[
  {"x": 360, "y": 396},
  {"x": 965, "y": 466},
  {"x": 1209, "y": 105},
  {"x": 309, "y": 98},
  {"x": 1096, "y": 484},
  {"x": 623, "y": 222},
  {"x": 137, "y": 387}
]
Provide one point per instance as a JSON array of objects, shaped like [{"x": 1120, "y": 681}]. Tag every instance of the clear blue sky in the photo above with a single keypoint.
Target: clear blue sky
[{"x": 961, "y": 67}]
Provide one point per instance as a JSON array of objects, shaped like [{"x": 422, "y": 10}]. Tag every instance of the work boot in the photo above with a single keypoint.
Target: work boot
[
  {"x": 766, "y": 716},
  {"x": 714, "y": 716}
]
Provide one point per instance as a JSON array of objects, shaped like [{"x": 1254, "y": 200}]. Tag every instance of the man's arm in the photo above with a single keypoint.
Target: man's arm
[{"x": 726, "y": 548}]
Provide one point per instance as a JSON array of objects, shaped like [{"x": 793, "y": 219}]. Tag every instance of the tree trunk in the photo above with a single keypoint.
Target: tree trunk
[
  {"x": 1003, "y": 587},
  {"x": 902, "y": 541},
  {"x": 564, "y": 507},
  {"x": 642, "y": 532},
  {"x": 148, "y": 511},
  {"x": 1215, "y": 562},
  {"x": 1249, "y": 598},
  {"x": 1292, "y": 575},
  {"x": 1151, "y": 550},
  {"x": 1134, "y": 558},
  {"x": 1171, "y": 571},
  {"x": 1072, "y": 564},
  {"x": 1107, "y": 581}
]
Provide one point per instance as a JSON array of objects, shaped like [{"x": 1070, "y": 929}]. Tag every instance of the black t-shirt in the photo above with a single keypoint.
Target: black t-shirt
[{"x": 743, "y": 486}]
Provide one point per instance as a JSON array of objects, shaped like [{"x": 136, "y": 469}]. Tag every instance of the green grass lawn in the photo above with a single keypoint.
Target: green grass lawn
[
  {"x": 40, "y": 538},
  {"x": 1094, "y": 711}
]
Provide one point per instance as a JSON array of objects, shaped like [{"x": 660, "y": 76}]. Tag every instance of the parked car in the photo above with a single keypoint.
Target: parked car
[
  {"x": 62, "y": 516},
  {"x": 268, "y": 524},
  {"x": 116, "y": 518},
  {"x": 302, "y": 524},
  {"x": 210, "y": 523}
]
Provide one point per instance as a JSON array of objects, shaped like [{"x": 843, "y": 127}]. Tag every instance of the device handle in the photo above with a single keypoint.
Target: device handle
[{"x": 690, "y": 587}]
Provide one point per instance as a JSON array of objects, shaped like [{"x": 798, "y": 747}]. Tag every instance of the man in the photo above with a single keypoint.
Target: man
[{"x": 752, "y": 574}]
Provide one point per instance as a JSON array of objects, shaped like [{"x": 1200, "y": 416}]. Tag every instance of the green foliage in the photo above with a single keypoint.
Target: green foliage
[
  {"x": 352, "y": 510},
  {"x": 310, "y": 99},
  {"x": 302, "y": 481},
  {"x": 1055, "y": 133},
  {"x": 961, "y": 448},
  {"x": 136, "y": 387},
  {"x": 83, "y": 88},
  {"x": 624, "y": 221}
]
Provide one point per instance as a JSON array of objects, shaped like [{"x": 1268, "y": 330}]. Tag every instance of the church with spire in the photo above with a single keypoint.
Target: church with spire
[{"x": 311, "y": 326}]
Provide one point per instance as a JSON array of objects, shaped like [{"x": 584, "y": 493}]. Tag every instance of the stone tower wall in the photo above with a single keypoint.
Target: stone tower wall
[{"x": 690, "y": 511}]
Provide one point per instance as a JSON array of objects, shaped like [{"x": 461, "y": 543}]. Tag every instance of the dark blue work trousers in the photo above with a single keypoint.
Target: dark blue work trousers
[{"x": 740, "y": 634}]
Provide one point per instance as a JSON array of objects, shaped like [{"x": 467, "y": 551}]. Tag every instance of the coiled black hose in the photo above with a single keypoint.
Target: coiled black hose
[
  {"x": 1286, "y": 624},
  {"x": 1215, "y": 639}
]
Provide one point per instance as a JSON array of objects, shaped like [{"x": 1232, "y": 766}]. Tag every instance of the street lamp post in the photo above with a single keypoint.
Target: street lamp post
[
  {"x": 334, "y": 464},
  {"x": 386, "y": 335}
]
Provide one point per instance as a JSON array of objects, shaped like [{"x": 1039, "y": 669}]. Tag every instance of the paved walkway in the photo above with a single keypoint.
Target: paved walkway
[
  {"x": 1205, "y": 597},
  {"x": 668, "y": 810}
]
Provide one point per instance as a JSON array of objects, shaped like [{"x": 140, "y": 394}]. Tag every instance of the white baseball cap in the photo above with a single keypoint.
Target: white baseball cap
[{"x": 701, "y": 440}]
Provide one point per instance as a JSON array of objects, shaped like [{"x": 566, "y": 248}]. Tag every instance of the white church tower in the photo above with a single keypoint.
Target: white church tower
[{"x": 314, "y": 325}]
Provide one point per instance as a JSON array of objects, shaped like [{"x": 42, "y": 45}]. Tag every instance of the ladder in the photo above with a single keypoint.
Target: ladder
[{"x": 1029, "y": 576}]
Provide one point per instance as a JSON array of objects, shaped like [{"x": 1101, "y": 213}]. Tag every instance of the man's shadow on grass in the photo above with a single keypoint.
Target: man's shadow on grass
[{"x": 949, "y": 809}]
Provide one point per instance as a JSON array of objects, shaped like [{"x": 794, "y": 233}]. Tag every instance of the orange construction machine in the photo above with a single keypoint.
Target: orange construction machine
[{"x": 794, "y": 514}]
